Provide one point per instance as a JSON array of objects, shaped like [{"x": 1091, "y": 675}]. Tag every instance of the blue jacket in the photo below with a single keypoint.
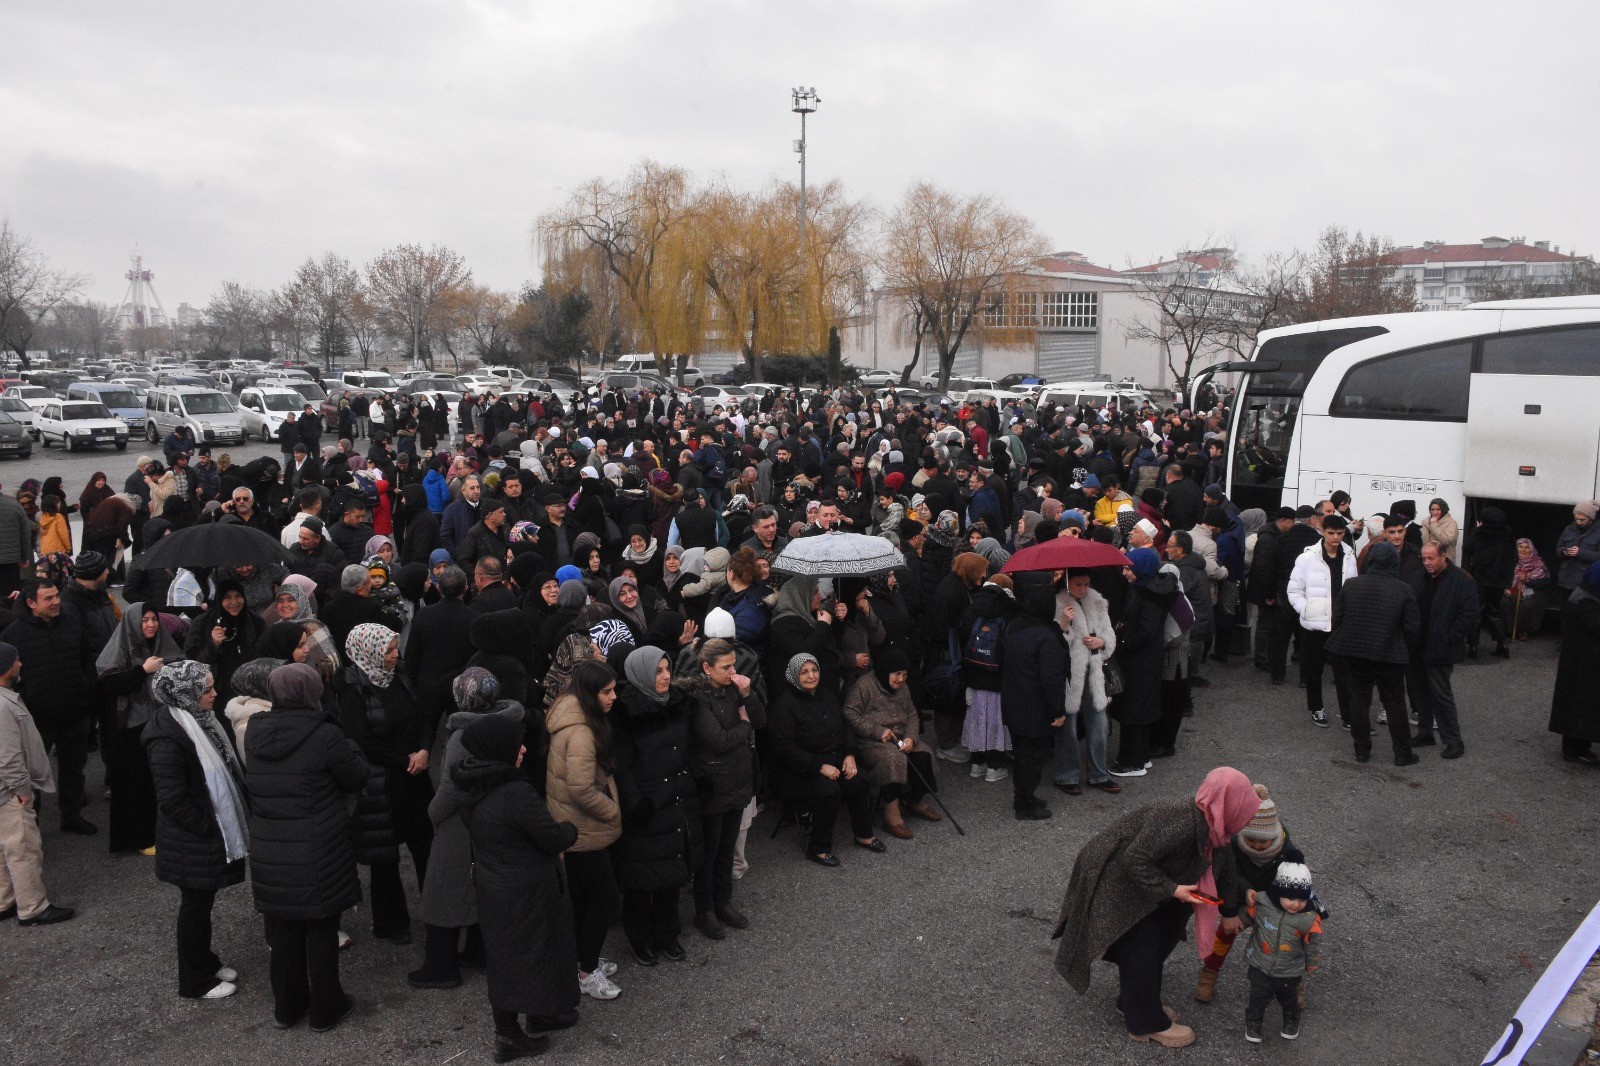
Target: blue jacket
[
  {"x": 1230, "y": 549},
  {"x": 437, "y": 488},
  {"x": 750, "y": 616},
  {"x": 458, "y": 518}
]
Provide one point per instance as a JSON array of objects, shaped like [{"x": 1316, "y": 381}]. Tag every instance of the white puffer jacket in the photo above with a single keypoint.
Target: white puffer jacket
[{"x": 1310, "y": 591}]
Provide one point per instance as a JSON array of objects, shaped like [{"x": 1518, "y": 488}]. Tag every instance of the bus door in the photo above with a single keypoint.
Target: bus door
[{"x": 1533, "y": 438}]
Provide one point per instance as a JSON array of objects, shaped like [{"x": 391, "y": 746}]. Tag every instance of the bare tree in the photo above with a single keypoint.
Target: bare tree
[
  {"x": 1269, "y": 296},
  {"x": 1193, "y": 311},
  {"x": 1352, "y": 275},
  {"x": 240, "y": 315},
  {"x": 408, "y": 283},
  {"x": 85, "y": 327},
  {"x": 326, "y": 289},
  {"x": 1579, "y": 277},
  {"x": 30, "y": 289},
  {"x": 951, "y": 259},
  {"x": 366, "y": 324}
]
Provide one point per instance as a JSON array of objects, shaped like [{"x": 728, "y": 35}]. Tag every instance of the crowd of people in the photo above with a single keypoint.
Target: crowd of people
[{"x": 552, "y": 659}]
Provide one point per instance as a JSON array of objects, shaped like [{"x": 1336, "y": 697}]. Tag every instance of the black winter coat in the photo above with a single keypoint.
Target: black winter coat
[
  {"x": 789, "y": 636},
  {"x": 1575, "y": 706},
  {"x": 1376, "y": 616},
  {"x": 945, "y": 611},
  {"x": 237, "y": 648},
  {"x": 1263, "y": 583},
  {"x": 1290, "y": 545},
  {"x": 58, "y": 673},
  {"x": 1141, "y": 650},
  {"x": 660, "y": 843},
  {"x": 722, "y": 752},
  {"x": 1491, "y": 556},
  {"x": 1033, "y": 685},
  {"x": 991, "y": 601},
  {"x": 437, "y": 650},
  {"x": 804, "y": 734},
  {"x": 523, "y": 905},
  {"x": 697, "y": 527},
  {"x": 189, "y": 848},
  {"x": 299, "y": 766},
  {"x": 1448, "y": 611},
  {"x": 387, "y": 725}
]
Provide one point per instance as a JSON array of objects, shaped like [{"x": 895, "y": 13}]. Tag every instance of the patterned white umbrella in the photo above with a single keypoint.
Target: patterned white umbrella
[{"x": 838, "y": 554}]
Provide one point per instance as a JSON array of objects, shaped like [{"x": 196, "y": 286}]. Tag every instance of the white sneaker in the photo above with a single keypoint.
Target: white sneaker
[
  {"x": 222, "y": 990},
  {"x": 955, "y": 753},
  {"x": 227, "y": 973},
  {"x": 1383, "y": 717},
  {"x": 975, "y": 770},
  {"x": 996, "y": 773},
  {"x": 344, "y": 940},
  {"x": 598, "y": 986},
  {"x": 607, "y": 967}
]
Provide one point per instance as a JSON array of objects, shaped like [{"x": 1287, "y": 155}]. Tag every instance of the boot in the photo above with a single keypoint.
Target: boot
[
  {"x": 1206, "y": 989},
  {"x": 894, "y": 822}
]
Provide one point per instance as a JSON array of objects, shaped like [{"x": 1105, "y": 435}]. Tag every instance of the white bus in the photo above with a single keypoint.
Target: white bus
[{"x": 1497, "y": 403}]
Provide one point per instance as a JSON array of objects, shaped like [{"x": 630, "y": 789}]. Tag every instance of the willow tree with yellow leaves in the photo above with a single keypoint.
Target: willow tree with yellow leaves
[{"x": 950, "y": 260}]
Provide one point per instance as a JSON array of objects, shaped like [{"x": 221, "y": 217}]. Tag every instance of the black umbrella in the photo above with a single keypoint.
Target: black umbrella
[{"x": 212, "y": 544}]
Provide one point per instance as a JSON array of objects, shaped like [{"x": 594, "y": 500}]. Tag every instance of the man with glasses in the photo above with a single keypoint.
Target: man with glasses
[
  {"x": 1319, "y": 574},
  {"x": 242, "y": 505}
]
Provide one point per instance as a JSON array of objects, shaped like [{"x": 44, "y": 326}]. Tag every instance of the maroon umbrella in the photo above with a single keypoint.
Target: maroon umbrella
[{"x": 1064, "y": 553}]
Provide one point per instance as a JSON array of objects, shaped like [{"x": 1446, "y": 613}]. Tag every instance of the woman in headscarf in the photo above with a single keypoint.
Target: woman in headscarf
[
  {"x": 1524, "y": 608},
  {"x": 251, "y": 696},
  {"x": 808, "y": 740},
  {"x": 673, "y": 577},
  {"x": 449, "y": 895},
  {"x": 859, "y": 634},
  {"x": 523, "y": 904},
  {"x": 887, "y": 741},
  {"x": 1133, "y": 887},
  {"x": 201, "y": 824},
  {"x": 380, "y": 713},
  {"x": 800, "y": 624},
  {"x": 225, "y": 636},
  {"x": 126, "y": 667},
  {"x": 541, "y": 592},
  {"x": 106, "y": 526},
  {"x": 416, "y": 525},
  {"x": 579, "y": 789},
  {"x": 1141, "y": 653},
  {"x": 591, "y": 635},
  {"x": 1439, "y": 527},
  {"x": 501, "y": 642},
  {"x": 299, "y": 768},
  {"x": 383, "y": 547},
  {"x": 1022, "y": 537},
  {"x": 570, "y": 599},
  {"x": 296, "y": 602},
  {"x": 624, "y": 595},
  {"x": 658, "y": 851},
  {"x": 96, "y": 492}
]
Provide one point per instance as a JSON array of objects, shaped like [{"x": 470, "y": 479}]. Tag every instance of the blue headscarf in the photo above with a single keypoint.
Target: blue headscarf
[
  {"x": 569, "y": 573},
  {"x": 1145, "y": 563}
]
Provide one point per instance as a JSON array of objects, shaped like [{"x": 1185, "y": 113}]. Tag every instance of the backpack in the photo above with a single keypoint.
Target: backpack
[
  {"x": 368, "y": 489},
  {"x": 983, "y": 647}
]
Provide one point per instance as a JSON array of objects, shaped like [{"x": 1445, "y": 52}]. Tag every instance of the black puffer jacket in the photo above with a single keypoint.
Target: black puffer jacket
[
  {"x": 189, "y": 849},
  {"x": 1376, "y": 616},
  {"x": 1491, "y": 556},
  {"x": 299, "y": 766},
  {"x": 57, "y": 667},
  {"x": 1033, "y": 686},
  {"x": 1452, "y": 616},
  {"x": 660, "y": 842},
  {"x": 95, "y": 613},
  {"x": 723, "y": 756},
  {"x": 1141, "y": 649},
  {"x": 805, "y": 733}
]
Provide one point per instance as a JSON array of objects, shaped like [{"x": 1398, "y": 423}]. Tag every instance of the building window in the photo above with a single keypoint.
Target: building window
[
  {"x": 1422, "y": 385},
  {"x": 1455, "y": 292},
  {"x": 1433, "y": 292},
  {"x": 1013, "y": 310},
  {"x": 1071, "y": 310},
  {"x": 1433, "y": 273}
]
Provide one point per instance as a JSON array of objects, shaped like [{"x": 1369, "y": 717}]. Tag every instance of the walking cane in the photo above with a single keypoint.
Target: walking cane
[
  {"x": 913, "y": 768},
  {"x": 1516, "y": 613}
]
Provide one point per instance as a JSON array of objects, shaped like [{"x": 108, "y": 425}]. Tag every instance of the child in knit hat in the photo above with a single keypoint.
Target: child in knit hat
[{"x": 1284, "y": 945}]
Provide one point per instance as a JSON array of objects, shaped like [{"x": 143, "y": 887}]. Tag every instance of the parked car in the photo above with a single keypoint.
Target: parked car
[
  {"x": 263, "y": 409},
  {"x": 314, "y": 394},
  {"x": 35, "y": 396},
  {"x": 80, "y": 424},
  {"x": 370, "y": 380},
  {"x": 208, "y": 413},
  {"x": 120, "y": 400},
  {"x": 15, "y": 437},
  {"x": 646, "y": 364},
  {"x": 871, "y": 378},
  {"x": 20, "y": 412}
]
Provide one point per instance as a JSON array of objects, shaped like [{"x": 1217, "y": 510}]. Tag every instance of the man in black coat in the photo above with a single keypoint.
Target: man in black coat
[
  {"x": 1447, "y": 600},
  {"x": 1033, "y": 693},
  {"x": 310, "y": 426},
  {"x": 353, "y": 605},
  {"x": 57, "y": 684},
  {"x": 437, "y": 650},
  {"x": 490, "y": 591},
  {"x": 1375, "y": 623},
  {"x": 487, "y": 538},
  {"x": 1299, "y": 536},
  {"x": 351, "y": 533},
  {"x": 1261, "y": 588},
  {"x": 697, "y": 522},
  {"x": 1183, "y": 505}
]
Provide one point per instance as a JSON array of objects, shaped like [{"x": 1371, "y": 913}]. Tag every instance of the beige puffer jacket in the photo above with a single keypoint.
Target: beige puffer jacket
[{"x": 577, "y": 788}]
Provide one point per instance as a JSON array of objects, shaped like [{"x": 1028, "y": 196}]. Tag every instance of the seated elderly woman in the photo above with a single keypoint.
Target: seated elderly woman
[
  {"x": 812, "y": 770},
  {"x": 887, "y": 741}
]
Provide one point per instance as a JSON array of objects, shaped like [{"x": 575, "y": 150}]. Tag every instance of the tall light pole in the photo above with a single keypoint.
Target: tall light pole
[{"x": 805, "y": 102}]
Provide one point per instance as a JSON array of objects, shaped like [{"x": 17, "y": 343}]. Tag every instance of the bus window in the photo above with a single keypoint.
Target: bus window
[
  {"x": 1299, "y": 354},
  {"x": 1422, "y": 385},
  {"x": 1552, "y": 352},
  {"x": 1265, "y": 431}
]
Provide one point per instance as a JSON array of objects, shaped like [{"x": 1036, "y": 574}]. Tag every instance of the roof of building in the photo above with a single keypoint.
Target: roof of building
[
  {"x": 1073, "y": 263},
  {"x": 1488, "y": 250},
  {"x": 1206, "y": 259}
]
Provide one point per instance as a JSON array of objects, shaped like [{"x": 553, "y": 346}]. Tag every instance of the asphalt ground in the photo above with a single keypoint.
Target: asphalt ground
[{"x": 1451, "y": 885}]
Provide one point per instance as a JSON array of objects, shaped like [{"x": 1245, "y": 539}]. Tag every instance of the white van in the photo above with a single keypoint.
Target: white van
[
  {"x": 1095, "y": 393},
  {"x": 646, "y": 364},
  {"x": 209, "y": 414}
]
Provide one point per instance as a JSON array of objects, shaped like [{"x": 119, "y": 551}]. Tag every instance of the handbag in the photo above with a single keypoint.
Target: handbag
[{"x": 1115, "y": 682}]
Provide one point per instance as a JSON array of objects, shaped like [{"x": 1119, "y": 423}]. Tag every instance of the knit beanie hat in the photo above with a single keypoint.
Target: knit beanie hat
[
  {"x": 493, "y": 738},
  {"x": 1293, "y": 881},
  {"x": 1265, "y": 824},
  {"x": 1588, "y": 508},
  {"x": 719, "y": 624}
]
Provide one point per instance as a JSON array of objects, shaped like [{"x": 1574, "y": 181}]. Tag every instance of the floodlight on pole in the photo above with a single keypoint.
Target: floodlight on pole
[{"x": 805, "y": 103}]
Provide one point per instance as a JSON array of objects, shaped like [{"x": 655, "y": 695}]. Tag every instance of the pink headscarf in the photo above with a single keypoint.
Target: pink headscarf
[{"x": 1229, "y": 801}]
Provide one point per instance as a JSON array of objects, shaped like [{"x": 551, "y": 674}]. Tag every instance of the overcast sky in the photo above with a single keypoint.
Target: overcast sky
[{"x": 230, "y": 141}]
